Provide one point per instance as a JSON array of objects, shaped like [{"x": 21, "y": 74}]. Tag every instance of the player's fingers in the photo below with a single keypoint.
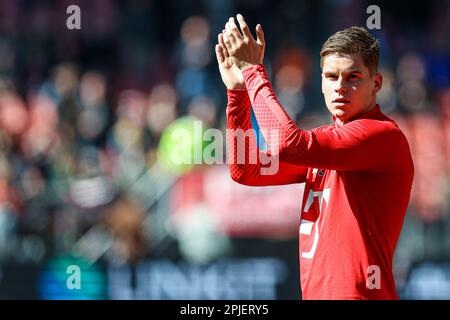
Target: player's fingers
[
  {"x": 229, "y": 35},
  {"x": 235, "y": 30},
  {"x": 232, "y": 43},
  {"x": 260, "y": 35},
  {"x": 219, "y": 54},
  {"x": 222, "y": 45},
  {"x": 227, "y": 43},
  {"x": 227, "y": 27},
  {"x": 244, "y": 27}
]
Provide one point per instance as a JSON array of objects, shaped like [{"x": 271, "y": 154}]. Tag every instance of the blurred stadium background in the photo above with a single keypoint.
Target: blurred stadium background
[{"x": 83, "y": 114}]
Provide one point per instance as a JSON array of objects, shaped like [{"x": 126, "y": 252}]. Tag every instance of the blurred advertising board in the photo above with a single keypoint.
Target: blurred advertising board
[{"x": 257, "y": 269}]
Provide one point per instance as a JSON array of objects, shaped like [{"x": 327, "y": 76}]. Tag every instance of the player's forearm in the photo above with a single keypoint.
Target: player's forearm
[
  {"x": 238, "y": 109},
  {"x": 238, "y": 122},
  {"x": 244, "y": 155},
  {"x": 280, "y": 131}
]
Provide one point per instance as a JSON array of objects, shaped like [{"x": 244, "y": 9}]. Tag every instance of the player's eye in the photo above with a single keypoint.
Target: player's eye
[{"x": 332, "y": 76}]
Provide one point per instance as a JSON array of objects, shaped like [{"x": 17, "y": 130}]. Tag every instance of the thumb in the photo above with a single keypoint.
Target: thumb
[{"x": 260, "y": 35}]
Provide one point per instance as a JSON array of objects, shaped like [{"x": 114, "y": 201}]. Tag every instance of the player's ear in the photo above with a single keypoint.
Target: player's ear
[{"x": 378, "y": 82}]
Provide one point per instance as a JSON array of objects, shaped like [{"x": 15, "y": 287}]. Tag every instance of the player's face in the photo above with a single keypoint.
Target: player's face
[{"x": 347, "y": 86}]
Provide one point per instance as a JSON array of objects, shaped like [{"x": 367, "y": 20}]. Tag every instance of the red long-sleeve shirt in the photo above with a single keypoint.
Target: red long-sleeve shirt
[{"x": 358, "y": 182}]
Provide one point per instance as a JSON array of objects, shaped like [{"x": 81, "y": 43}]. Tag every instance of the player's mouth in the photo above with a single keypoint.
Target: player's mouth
[{"x": 341, "y": 101}]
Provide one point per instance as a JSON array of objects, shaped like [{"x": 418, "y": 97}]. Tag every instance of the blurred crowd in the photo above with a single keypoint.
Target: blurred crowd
[{"x": 82, "y": 111}]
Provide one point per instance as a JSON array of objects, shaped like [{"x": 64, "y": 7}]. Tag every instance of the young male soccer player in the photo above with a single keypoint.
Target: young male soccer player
[{"x": 358, "y": 171}]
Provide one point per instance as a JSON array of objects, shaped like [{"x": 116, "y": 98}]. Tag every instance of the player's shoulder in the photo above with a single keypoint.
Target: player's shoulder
[{"x": 381, "y": 124}]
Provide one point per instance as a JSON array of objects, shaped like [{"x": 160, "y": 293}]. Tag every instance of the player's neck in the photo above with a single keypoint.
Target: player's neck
[{"x": 341, "y": 122}]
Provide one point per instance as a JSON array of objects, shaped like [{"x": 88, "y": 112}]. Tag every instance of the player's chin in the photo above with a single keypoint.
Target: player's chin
[
  {"x": 339, "y": 113},
  {"x": 342, "y": 115}
]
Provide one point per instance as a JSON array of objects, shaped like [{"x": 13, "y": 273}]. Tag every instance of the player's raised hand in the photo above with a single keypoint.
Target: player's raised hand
[
  {"x": 243, "y": 49},
  {"x": 230, "y": 73}
]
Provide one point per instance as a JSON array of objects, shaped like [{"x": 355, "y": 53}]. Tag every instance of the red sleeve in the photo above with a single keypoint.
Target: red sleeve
[
  {"x": 248, "y": 164},
  {"x": 362, "y": 144}
]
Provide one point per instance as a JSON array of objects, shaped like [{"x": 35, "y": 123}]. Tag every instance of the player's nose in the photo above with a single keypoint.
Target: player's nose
[{"x": 340, "y": 85}]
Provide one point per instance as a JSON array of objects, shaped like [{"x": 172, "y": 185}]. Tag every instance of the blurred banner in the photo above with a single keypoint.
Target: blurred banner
[
  {"x": 428, "y": 280},
  {"x": 238, "y": 210},
  {"x": 258, "y": 269}
]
